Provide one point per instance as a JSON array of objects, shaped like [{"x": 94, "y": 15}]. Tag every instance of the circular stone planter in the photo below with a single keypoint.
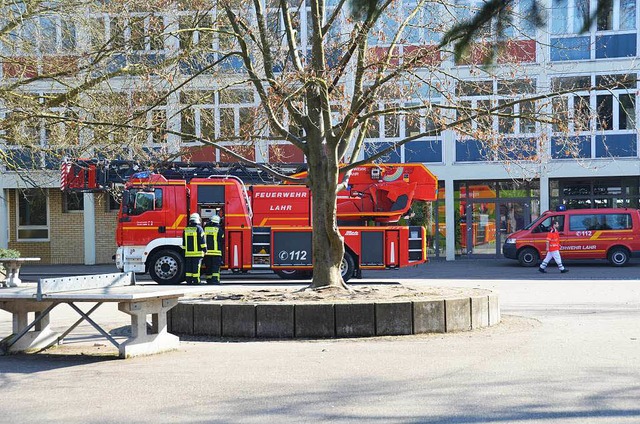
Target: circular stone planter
[{"x": 460, "y": 310}]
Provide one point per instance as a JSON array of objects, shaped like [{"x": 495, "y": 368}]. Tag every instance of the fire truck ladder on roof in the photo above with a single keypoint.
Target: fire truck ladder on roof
[{"x": 100, "y": 174}]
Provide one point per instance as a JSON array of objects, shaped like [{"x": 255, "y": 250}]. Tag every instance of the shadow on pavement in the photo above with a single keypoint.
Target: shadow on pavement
[{"x": 28, "y": 363}]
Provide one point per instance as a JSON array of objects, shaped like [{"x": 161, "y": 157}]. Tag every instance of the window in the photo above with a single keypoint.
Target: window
[
  {"x": 56, "y": 35},
  {"x": 621, "y": 221},
  {"x": 150, "y": 112},
  {"x": 189, "y": 36},
  {"x": 33, "y": 215},
  {"x": 72, "y": 202},
  {"x": 391, "y": 127},
  {"x": 545, "y": 226},
  {"x": 614, "y": 103},
  {"x": 569, "y": 16},
  {"x": 617, "y": 15},
  {"x": 114, "y": 202},
  {"x": 609, "y": 37},
  {"x": 137, "y": 202},
  {"x": 515, "y": 115}
]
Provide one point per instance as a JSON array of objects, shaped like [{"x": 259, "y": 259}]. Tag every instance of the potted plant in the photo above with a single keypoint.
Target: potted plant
[{"x": 7, "y": 253}]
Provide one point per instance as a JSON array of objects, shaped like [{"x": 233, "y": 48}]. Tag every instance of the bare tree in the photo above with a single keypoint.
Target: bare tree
[{"x": 327, "y": 77}]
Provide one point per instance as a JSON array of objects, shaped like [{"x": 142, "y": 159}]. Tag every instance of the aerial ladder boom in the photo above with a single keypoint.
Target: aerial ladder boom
[{"x": 374, "y": 192}]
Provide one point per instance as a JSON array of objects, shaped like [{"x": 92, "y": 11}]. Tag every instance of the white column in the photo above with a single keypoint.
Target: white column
[
  {"x": 4, "y": 218},
  {"x": 89, "y": 229},
  {"x": 451, "y": 220},
  {"x": 544, "y": 193}
]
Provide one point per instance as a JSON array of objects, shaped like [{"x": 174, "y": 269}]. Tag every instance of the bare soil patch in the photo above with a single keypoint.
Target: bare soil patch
[{"x": 387, "y": 293}]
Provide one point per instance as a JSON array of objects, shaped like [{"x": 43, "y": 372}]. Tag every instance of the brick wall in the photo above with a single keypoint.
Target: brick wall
[
  {"x": 66, "y": 232},
  {"x": 105, "y": 229}
]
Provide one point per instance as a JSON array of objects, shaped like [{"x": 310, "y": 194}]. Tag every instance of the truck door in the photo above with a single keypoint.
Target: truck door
[
  {"x": 144, "y": 215},
  {"x": 539, "y": 234}
]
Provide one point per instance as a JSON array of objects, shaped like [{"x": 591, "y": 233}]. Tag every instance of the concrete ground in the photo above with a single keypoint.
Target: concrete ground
[{"x": 567, "y": 351}]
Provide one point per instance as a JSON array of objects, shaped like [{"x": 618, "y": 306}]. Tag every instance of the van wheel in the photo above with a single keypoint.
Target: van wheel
[
  {"x": 166, "y": 267},
  {"x": 528, "y": 257},
  {"x": 618, "y": 256}
]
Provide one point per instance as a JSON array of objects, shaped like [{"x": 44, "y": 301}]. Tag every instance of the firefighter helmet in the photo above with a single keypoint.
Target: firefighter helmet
[
  {"x": 195, "y": 218},
  {"x": 215, "y": 219}
]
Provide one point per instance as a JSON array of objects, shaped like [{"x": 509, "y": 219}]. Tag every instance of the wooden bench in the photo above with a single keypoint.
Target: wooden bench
[
  {"x": 31, "y": 306},
  {"x": 12, "y": 270}
]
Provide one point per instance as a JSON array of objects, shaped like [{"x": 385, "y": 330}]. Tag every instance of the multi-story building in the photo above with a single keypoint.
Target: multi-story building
[{"x": 588, "y": 158}]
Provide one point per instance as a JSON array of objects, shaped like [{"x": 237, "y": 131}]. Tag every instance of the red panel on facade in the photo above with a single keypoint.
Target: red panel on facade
[
  {"x": 285, "y": 153},
  {"x": 20, "y": 68},
  {"x": 377, "y": 54},
  {"x": 199, "y": 154},
  {"x": 424, "y": 55},
  {"x": 56, "y": 64},
  {"x": 518, "y": 51},
  {"x": 248, "y": 152},
  {"x": 207, "y": 154}
]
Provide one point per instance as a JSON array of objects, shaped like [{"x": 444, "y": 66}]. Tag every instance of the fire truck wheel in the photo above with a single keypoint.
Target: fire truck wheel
[
  {"x": 528, "y": 257},
  {"x": 347, "y": 266},
  {"x": 166, "y": 267},
  {"x": 618, "y": 256}
]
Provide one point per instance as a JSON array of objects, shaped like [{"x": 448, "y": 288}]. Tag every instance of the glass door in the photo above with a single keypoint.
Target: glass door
[
  {"x": 513, "y": 217},
  {"x": 480, "y": 228}
]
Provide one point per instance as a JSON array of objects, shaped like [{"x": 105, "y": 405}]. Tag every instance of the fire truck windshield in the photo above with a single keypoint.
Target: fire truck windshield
[{"x": 137, "y": 201}]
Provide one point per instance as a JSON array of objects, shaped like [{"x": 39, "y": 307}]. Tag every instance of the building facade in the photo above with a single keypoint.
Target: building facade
[{"x": 588, "y": 158}]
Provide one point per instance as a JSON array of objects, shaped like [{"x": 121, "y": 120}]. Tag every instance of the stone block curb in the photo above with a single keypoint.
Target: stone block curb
[
  {"x": 393, "y": 319},
  {"x": 315, "y": 320},
  {"x": 238, "y": 320},
  {"x": 275, "y": 321},
  {"x": 355, "y": 319},
  {"x": 328, "y": 320}
]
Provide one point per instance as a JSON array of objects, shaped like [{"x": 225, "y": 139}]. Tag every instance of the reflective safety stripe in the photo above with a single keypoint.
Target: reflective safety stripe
[
  {"x": 211, "y": 235},
  {"x": 190, "y": 244}
]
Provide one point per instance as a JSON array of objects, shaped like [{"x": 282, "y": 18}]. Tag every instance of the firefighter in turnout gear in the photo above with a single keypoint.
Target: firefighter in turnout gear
[
  {"x": 214, "y": 236},
  {"x": 195, "y": 246}
]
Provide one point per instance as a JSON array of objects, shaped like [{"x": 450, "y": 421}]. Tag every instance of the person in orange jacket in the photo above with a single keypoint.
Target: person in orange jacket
[{"x": 553, "y": 249}]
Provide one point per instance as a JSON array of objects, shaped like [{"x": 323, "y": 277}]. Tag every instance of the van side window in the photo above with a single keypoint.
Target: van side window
[
  {"x": 595, "y": 222},
  {"x": 583, "y": 222},
  {"x": 618, "y": 221}
]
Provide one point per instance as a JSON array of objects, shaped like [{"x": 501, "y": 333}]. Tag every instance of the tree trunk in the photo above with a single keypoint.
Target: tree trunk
[{"x": 328, "y": 244}]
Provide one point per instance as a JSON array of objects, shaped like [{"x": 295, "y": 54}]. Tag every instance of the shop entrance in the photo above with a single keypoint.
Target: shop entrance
[{"x": 488, "y": 223}]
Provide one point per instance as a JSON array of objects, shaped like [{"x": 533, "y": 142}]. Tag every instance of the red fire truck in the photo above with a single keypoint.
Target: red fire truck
[{"x": 267, "y": 224}]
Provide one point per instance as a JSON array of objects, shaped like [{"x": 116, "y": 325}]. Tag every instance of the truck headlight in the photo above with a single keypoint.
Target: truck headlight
[{"x": 510, "y": 241}]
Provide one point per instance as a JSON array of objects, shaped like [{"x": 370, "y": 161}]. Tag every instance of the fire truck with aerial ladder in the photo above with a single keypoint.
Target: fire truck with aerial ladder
[{"x": 267, "y": 224}]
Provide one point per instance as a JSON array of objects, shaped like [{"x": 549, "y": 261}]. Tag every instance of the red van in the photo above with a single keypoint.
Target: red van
[{"x": 612, "y": 234}]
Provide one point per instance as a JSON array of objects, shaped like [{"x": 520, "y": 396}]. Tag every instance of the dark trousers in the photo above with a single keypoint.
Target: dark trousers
[
  {"x": 212, "y": 273},
  {"x": 192, "y": 269}
]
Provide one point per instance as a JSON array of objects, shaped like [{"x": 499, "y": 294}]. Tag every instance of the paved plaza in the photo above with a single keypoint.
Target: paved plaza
[{"x": 567, "y": 351}]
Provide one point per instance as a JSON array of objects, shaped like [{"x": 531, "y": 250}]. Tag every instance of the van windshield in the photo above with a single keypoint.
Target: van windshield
[{"x": 534, "y": 223}]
